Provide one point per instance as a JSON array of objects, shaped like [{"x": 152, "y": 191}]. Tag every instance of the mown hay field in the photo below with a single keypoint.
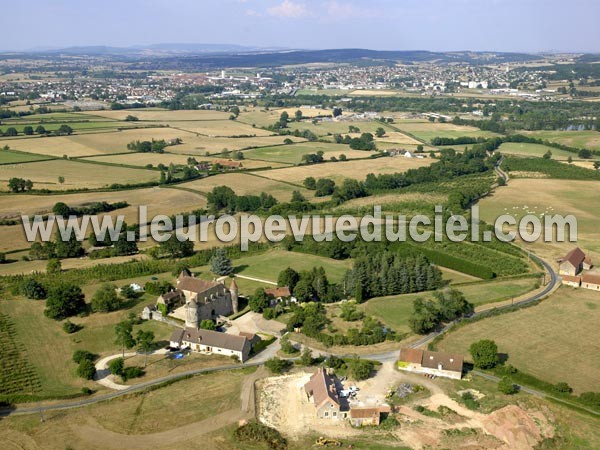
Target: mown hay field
[
  {"x": 336, "y": 126},
  {"x": 215, "y": 128},
  {"x": 293, "y": 153},
  {"x": 158, "y": 200},
  {"x": 245, "y": 184},
  {"x": 159, "y": 114},
  {"x": 428, "y": 130},
  {"x": 395, "y": 137},
  {"x": 12, "y": 157},
  {"x": 200, "y": 145},
  {"x": 520, "y": 148},
  {"x": 581, "y": 139},
  {"x": 553, "y": 340},
  {"x": 543, "y": 196},
  {"x": 264, "y": 118},
  {"x": 77, "y": 175},
  {"x": 91, "y": 144},
  {"x": 346, "y": 169}
]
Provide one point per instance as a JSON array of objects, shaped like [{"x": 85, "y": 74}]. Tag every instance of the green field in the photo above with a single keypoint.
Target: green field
[
  {"x": 553, "y": 341},
  {"x": 293, "y": 153},
  {"x": 394, "y": 311},
  {"x": 518, "y": 148},
  {"x": 426, "y": 130},
  {"x": 580, "y": 139},
  {"x": 14, "y": 157}
]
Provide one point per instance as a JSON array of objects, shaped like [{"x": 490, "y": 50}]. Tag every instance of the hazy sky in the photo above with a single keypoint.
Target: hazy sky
[{"x": 504, "y": 25}]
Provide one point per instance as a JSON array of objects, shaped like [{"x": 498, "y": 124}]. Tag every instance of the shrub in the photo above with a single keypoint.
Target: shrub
[
  {"x": 277, "y": 365},
  {"x": 506, "y": 386},
  {"x": 86, "y": 369},
  {"x": 70, "y": 327},
  {"x": 83, "y": 355},
  {"x": 132, "y": 372},
  {"x": 255, "y": 431},
  {"x": 484, "y": 353},
  {"x": 116, "y": 366}
]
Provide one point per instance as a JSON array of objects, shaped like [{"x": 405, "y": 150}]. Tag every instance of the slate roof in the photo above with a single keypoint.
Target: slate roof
[{"x": 210, "y": 338}]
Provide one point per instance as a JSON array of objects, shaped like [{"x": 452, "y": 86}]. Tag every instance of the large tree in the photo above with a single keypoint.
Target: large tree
[
  {"x": 124, "y": 335},
  {"x": 106, "y": 299},
  {"x": 145, "y": 342},
  {"x": 220, "y": 263},
  {"x": 288, "y": 277},
  {"x": 484, "y": 354},
  {"x": 64, "y": 300}
]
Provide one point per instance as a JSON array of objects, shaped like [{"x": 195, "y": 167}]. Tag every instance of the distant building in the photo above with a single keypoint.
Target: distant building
[
  {"x": 432, "y": 363},
  {"x": 211, "y": 342}
]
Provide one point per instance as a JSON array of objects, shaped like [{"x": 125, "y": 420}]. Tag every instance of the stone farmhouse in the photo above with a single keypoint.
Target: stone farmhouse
[
  {"x": 574, "y": 262},
  {"x": 591, "y": 281},
  {"x": 195, "y": 300},
  {"x": 367, "y": 415},
  {"x": 431, "y": 363},
  {"x": 321, "y": 389},
  {"x": 211, "y": 342}
]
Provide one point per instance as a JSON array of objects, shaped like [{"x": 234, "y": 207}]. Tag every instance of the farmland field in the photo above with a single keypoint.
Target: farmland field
[
  {"x": 519, "y": 148},
  {"x": 551, "y": 197},
  {"x": 581, "y": 139},
  {"x": 428, "y": 130},
  {"x": 91, "y": 143},
  {"x": 336, "y": 126},
  {"x": 264, "y": 118},
  {"x": 200, "y": 145},
  {"x": 77, "y": 175},
  {"x": 244, "y": 184},
  {"x": 225, "y": 128},
  {"x": 395, "y": 311},
  {"x": 293, "y": 153},
  {"x": 158, "y": 115},
  {"x": 553, "y": 340},
  {"x": 12, "y": 157},
  {"x": 346, "y": 169}
]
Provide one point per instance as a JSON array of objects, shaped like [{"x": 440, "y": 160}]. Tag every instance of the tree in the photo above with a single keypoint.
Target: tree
[
  {"x": 2, "y": 257},
  {"x": 174, "y": 248},
  {"x": 28, "y": 130},
  {"x": 283, "y": 119},
  {"x": 106, "y": 299},
  {"x": 379, "y": 132},
  {"x": 323, "y": 187},
  {"x": 337, "y": 111},
  {"x": 286, "y": 346},
  {"x": 259, "y": 301},
  {"x": 53, "y": 266},
  {"x": 131, "y": 118},
  {"x": 420, "y": 148},
  {"x": 64, "y": 300},
  {"x": 547, "y": 155},
  {"x": 220, "y": 263},
  {"x": 86, "y": 369},
  {"x": 145, "y": 341},
  {"x": 310, "y": 183},
  {"x": 506, "y": 386},
  {"x": 61, "y": 209},
  {"x": 12, "y": 131},
  {"x": 81, "y": 355},
  {"x": 570, "y": 160},
  {"x": 359, "y": 369},
  {"x": 288, "y": 277},
  {"x": 64, "y": 130},
  {"x": 34, "y": 290},
  {"x": 584, "y": 153},
  {"x": 116, "y": 366},
  {"x": 19, "y": 185},
  {"x": 298, "y": 115},
  {"x": 277, "y": 365},
  {"x": 61, "y": 179},
  {"x": 40, "y": 129},
  {"x": 596, "y": 165},
  {"x": 484, "y": 354},
  {"x": 306, "y": 358},
  {"x": 124, "y": 336},
  {"x": 208, "y": 324}
]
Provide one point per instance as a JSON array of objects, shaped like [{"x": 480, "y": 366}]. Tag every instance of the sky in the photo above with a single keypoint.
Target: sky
[{"x": 436, "y": 25}]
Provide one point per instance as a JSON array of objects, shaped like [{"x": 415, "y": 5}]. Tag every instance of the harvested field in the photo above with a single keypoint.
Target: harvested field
[
  {"x": 216, "y": 128},
  {"x": 200, "y": 145},
  {"x": 428, "y": 130},
  {"x": 346, "y": 169},
  {"x": 77, "y": 175},
  {"x": 161, "y": 115},
  {"x": 244, "y": 184}
]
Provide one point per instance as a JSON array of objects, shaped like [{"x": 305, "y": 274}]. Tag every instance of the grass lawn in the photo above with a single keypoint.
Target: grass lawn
[
  {"x": 268, "y": 265},
  {"x": 553, "y": 341},
  {"x": 428, "y": 130},
  {"x": 293, "y": 153},
  {"x": 395, "y": 310}
]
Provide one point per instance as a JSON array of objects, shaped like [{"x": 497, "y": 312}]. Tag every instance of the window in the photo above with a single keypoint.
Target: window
[
  {"x": 326, "y": 414},
  {"x": 335, "y": 414}
]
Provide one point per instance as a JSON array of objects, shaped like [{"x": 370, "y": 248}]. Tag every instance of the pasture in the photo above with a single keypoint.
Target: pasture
[
  {"x": 394, "y": 311},
  {"x": 562, "y": 197},
  {"x": 263, "y": 118},
  {"x": 77, "y": 175},
  {"x": 14, "y": 157},
  {"x": 346, "y": 169},
  {"x": 523, "y": 149},
  {"x": 216, "y": 128},
  {"x": 423, "y": 129},
  {"x": 292, "y": 153},
  {"x": 327, "y": 127},
  {"x": 553, "y": 340},
  {"x": 200, "y": 145},
  {"x": 581, "y": 139}
]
